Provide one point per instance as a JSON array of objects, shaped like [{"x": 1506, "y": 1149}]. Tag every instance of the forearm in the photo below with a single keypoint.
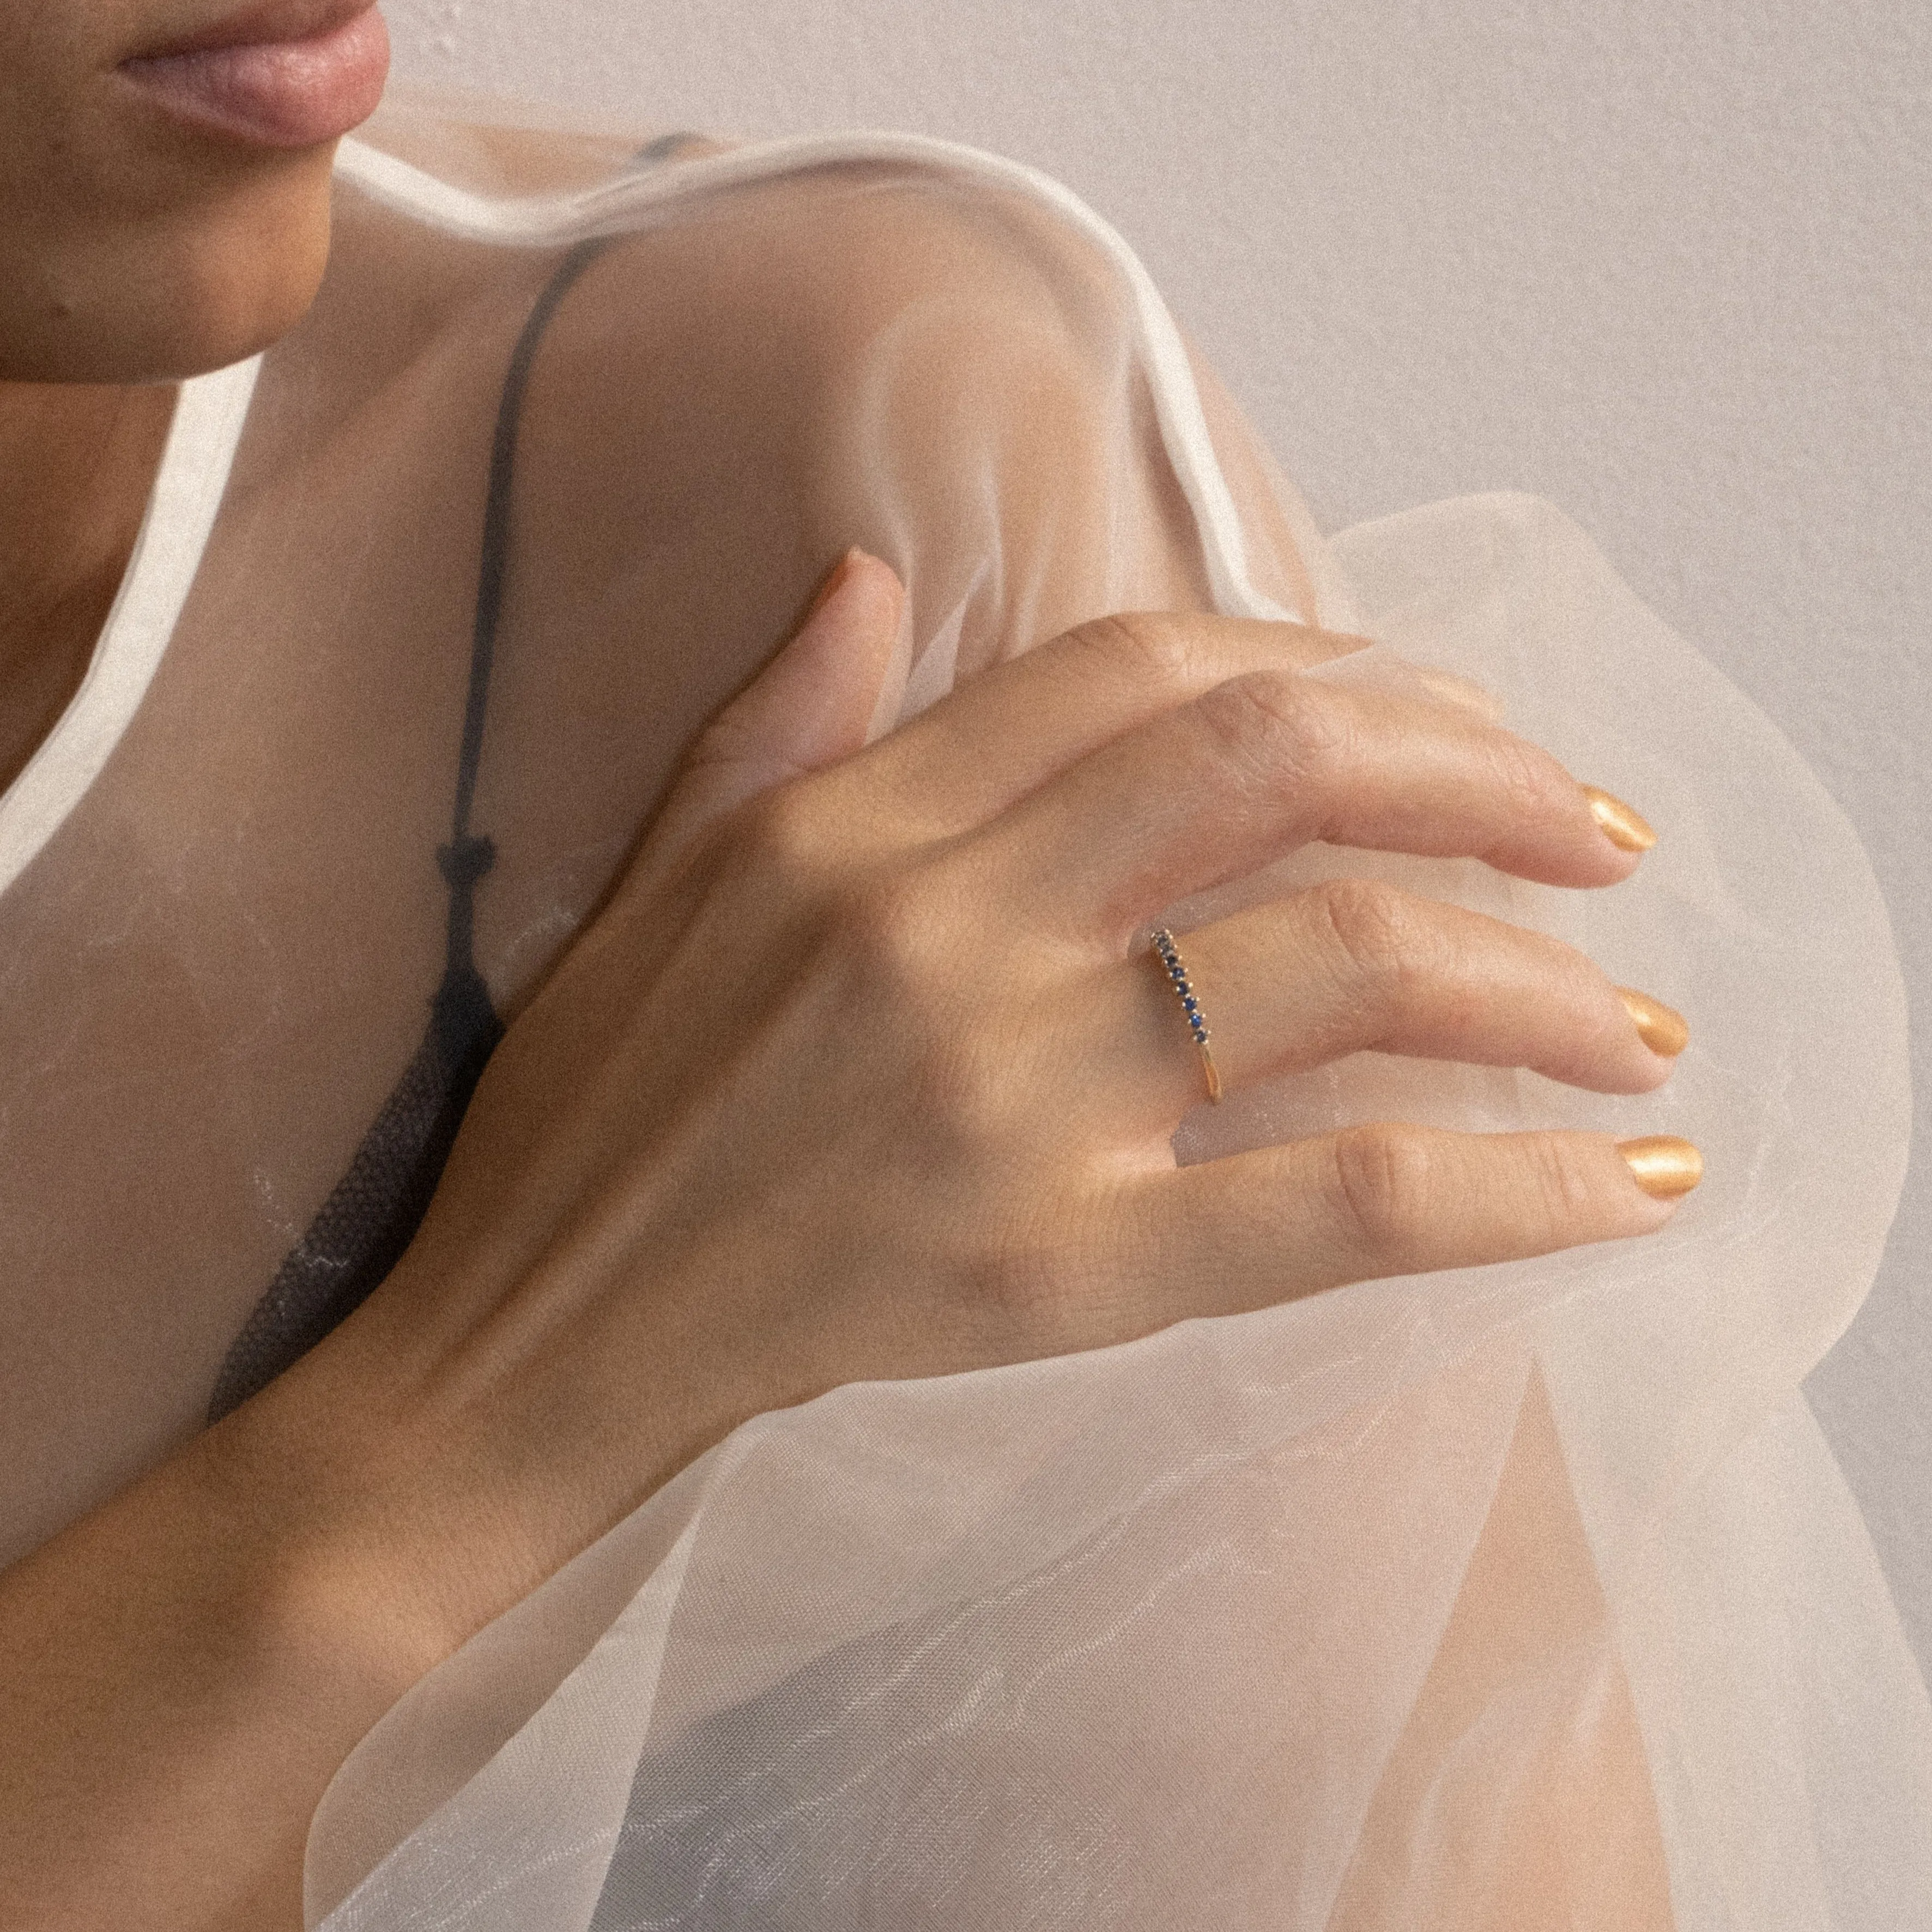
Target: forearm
[{"x": 184, "y": 1669}]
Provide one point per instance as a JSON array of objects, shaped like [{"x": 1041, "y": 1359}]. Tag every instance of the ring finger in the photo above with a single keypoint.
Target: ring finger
[{"x": 1353, "y": 965}]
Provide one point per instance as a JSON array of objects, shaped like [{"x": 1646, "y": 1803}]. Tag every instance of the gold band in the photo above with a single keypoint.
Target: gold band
[{"x": 1169, "y": 957}]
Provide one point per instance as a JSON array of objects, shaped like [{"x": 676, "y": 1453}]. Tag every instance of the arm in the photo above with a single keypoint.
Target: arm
[
  {"x": 675, "y": 1164},
  {"x": 184, "y": 1669},
  {"x": 678, "y": 1159}
]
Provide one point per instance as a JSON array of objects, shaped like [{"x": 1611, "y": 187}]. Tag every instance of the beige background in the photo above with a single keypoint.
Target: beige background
[{"x": 1665, "y": 264}]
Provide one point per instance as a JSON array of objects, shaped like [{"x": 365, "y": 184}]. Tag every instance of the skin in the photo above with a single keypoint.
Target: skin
[
  {"x": 138, "y": 247},
  {"x": 134, "y": 249},
  {"x": 75, "y": 465},
  {"x": 679, "y": 1156}
]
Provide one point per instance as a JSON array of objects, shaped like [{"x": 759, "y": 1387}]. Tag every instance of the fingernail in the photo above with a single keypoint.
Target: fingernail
[
  {"x": 836, "y": 576},
  {"x": 1665, "y": 1166},
  {"x": 1661, "y": 1028},
  {"x": 1625, "y": 828}
]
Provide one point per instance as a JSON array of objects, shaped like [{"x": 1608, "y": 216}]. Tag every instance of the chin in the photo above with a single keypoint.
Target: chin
[
  {"x": 160, "y": 294},
  {"x": 164, "y": 176}
]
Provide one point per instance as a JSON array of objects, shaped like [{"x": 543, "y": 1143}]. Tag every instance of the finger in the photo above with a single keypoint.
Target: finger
[
  {"x": 809, "y": 707},
  {"x": 1375, "y": 1202},
  {"x": 1378, "y": 668},
  {"x": 1270, "y": 761},
  {"x": 1010, "y": 729},
  {"x": 1354, "y": 965}
]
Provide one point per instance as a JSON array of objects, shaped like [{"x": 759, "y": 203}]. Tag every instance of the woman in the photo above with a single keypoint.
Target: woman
[{"x": 856, "y": 1070}]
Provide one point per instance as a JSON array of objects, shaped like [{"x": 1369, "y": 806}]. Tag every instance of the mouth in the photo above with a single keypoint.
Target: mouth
[{"x": 293, "y": 74}]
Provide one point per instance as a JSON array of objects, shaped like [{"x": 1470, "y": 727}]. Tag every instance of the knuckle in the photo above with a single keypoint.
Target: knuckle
[
  {"x": 1561, "y": 1200},
  {"x": 1277, "y": 726},
  {"x": 964, "y": 1098},
  {"x": 1152, "y": 645},
  {"x": 1039, "y": 1273},
  {"x": 1022, "y": 1274},
  {"x": 1385, "y": 1177},
  {"x": 1386, "y": 937},
  {"x": 782, "y": 839},
  {"x": 1525, "y": 777},
  {"x": 905, "y": 974},
  {"x": 875, "y": 923},
  {"x": 893, "y": 932}
]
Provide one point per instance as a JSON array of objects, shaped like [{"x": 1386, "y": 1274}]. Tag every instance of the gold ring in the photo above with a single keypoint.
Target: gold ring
[{"x": 1177, "y": 974}]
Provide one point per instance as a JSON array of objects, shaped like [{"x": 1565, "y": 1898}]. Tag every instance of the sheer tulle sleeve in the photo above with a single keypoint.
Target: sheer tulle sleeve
[{"x": 1524, "y": 1597}]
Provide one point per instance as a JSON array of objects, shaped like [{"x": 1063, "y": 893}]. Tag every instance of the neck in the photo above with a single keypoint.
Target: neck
[{"x": 77, "y": 463}]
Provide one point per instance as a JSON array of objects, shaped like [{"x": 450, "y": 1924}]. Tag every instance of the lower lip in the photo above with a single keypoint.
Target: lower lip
[{"x": 290, "y": 94}]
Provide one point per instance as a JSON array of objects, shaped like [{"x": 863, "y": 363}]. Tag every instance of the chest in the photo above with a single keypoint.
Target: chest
[{"x": 216, "y": 974}]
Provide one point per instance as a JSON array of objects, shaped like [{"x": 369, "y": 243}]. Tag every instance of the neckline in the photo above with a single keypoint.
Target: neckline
[{"x": 203, "y": 435}]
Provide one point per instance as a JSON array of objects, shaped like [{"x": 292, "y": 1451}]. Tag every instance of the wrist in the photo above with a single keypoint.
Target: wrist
[{"x": 328, "y": 1547}]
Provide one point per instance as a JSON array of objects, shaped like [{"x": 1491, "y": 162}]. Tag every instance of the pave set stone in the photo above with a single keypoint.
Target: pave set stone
[{"x": 1163, "y": 944}]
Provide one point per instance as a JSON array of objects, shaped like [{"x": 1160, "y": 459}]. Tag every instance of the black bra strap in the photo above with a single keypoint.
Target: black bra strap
[
  {"x": 360, "y": 1232},
  {"x": 466, "y": 858}
]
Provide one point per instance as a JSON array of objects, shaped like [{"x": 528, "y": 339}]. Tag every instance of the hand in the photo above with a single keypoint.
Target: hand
[{"x": 865, "y": 1071}]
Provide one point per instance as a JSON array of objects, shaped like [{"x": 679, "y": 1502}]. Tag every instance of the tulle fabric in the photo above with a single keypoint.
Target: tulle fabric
[
  {"x": 1527, "y": 1596},
  {"x": 1523, "y": 1597},
  {"x": 223, "y": 917}
]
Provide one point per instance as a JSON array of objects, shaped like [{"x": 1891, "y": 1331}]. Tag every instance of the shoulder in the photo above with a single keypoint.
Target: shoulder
[
  {"x": 842, "y": 303},
  {"x": 827, "y": 242},
  {"x": 899, "y": 356},
  {"x": 848, "y": 248},
  {"x": 748, "y": 372}
]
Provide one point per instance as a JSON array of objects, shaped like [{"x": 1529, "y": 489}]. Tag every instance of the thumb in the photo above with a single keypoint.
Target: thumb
[{"x": 812, "y": 705}]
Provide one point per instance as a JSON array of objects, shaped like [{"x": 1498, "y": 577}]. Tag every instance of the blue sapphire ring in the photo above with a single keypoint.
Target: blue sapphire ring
[{"x": 1177, "y": 975}]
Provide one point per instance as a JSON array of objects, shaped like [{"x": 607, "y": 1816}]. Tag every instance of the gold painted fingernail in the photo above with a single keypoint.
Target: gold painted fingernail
[
  {"x": 1661, "y": 1028},
  {"x": 1665, "y": 1166},
  {"x": 1624, "y": 826}
]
